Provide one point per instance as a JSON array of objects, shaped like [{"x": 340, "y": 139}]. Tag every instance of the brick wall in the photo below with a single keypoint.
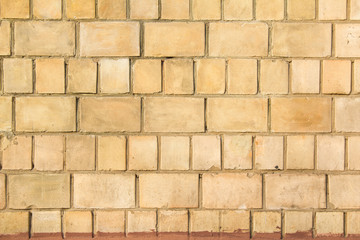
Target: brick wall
[{"x": 198, "y": 118}]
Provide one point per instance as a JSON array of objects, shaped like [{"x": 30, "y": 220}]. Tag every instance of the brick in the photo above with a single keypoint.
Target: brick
[
  {"x": 14, "y": 9},
  {"x": 237, "y": 152},
  {"x": 274, "y": 77},
  {"x": 77, "y": 222},
  {"x": 112, "y": 9},
  {"x": 49, "y": 153},
  {"x": 210, "y": 76},
  {"x": 6, "y": 113},
  {"x": 347, "y": 114},
  {"x": 114, "y": 76},
  {"x": 352, "y": 220},
  {"x": 104, "y": 191},
  {"x": 109, "y": 114},
  {"x": 80, "y": 9},
  {"x": 14, "y": 222},
  {"x": 141, "y": 221},
  {"x": 301, "y": 9},
  {"x": 5, "y": 38},
  {"x": 238, "y": 10},
  {"x": 2, "y": 192},
  {"x": 300, "y": 152},
  {"x": 168, "y": 190},
  {"x": 39, "y": 191},
  {"x": 47, "y": 9},
  {"x": 46, "y": 222},
  {"x": 347, "y": 40},
  {"x": 301, "y": 40},
  {"x": 82, "y": 74},
  {"x": 329, "y": 223},
  {"x": 298, "y": 222},
  {"x": 242, "y": 76},
  {"x": 295, "y": 191},
  {"x": 231, "y": 190},
  {"x": 354, "y": 153},
  {"x": 173, "y": 114},
  {"x": 356, "y": 77},
  {"x": 175, "y": 153},
  {"x": 111, "y": 153},
  {"x": 178, "y": 9},
  {"x": 110, "y": 221},
  {"x": 330, "y": 152},
  {"x": 235, "y": 221},
  {"x": 144, "y": 9},
  {"x": 49, "y": 114},
  {"x": 174, "y": 39},
  {"x": 303, "y": 114},
  {"x": 204, "y": 221},
  {"x": 42, "y": 38},
  {"x": 17, "y": 75},
  {"x": 229, "y": 39},
  {"x": 147, "y": 76},
  {"x": 354, "y": 9},
  {"x": 80, "y": 152},
  {"x": 17, "y": 153},
  {"x": 178, "y": 76},
  {"x": 332, "y": 9},
  {"x": 142, "y": 152},
  {"x": 206, "y": 9},
  {"x": 343, "y": 191},
  {"x": 50, "y": 75},
  {"x": 236, "y": 114},
  {"x": 173, "y": 221},
  {"x": 269, "y": 10},
  {"x": 336, "y": 76},
  {"x": 206, "y": 152},
  {"x": 305, "y": 76},
  {"x": 109, "y": 39},
  {"x": 269, "y": 152},
  {"x": 266, "y": 222}
]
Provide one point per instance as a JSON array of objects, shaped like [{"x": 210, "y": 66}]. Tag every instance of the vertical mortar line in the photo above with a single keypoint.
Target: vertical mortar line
[
  {"x": 30, "y": 224},
  {"x": 285, "y": 153},
  {"x": 332, "y": 40},
  {"x": 251, "y": 223},
  {"x": 226, "y": 76},
  {"x": 263, "y": 191},
  {"x": 96, "y": 9},
  {"x": 6, "y": 192},
  {"x": 77, "y": 112},
  {"x": 253, "y": 152},
  {"x": 158, "y": 153},
  {"x": 32, "y": 152},
  {"x": 352, "y": 79},
  {"x": 285, "y": 9},
  {"x": 33, "y": 75},
  {"x": 200, "y": 191},
  {"x": 270, "y": 39},
  {"x": 93, "y": 223},
  {"x": 348, "y": 7},
  {"x": 332, "y": 114},
  {"x": 62, "y": 9},
  {"x": 345, "y": 224},
  {"x": 220, "y": 220},
  {"x": 315, "y": 152},
  {"x": 194, "y": 76},
  {"x": 290, "y": 77},
  {"x": 254, "y": 10},
  {"x": 71, "y": 190},
  {"x": 162, "y": 77},
  {"x": 159, "y": 9},
  {"x": 127, "y": 9},
  {"x": 1, "y": 162},
  {"x": 125, "y": 222},
  {"x": 191, "y": 17},
  {"x": 327, "y": 191},
  {"x": 157, "y": 222},
  {"x": 130, "y": 76},
  {"x": 321, "y": 77},
  {"x": 222, "y": 151},
  {"x": 64, "y": 153},
  {"x": 269, "y": 115},
  {"x": 31, "y": 6},
  {"x": 205, "y": 109},
  {"x": 207, "y": 39},
  {"x": 13, "y": 117},
  {"x": 96, "y": 152},
  {"x": 189, "y": 222},
  {"x": 126, "y": 153},
  {"x": 62, "y": 228},
  {"x": 136, "y": 190},
  {"x": 12, "y": 38},
  {"x": 257, "y": 76},
  {"x": 313, "y": 223},
  {"x": 316, "y": 9},
  {"x": 222, "y": 9},
  {"x": 282, "y": 225},
  {"x": 346, "y": 154},
  {"x": 77, "y": 39},
  {"x": 142, "y": 39},
  {"x": 66, "y": 65},
  {"x": 98, "y": 66},
  {"x": 190, "y": 153},
  {"x": 1, "y": 76},
  {"x": 142, "y": 115}
]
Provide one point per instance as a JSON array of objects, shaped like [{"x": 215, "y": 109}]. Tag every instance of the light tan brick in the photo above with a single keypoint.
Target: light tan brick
[
  {"x": 110, "y": 221},
  {"x": 175, "y": 153},
  {"x": 175, "y": 9},
  {"x": 173, "y": 114},
  {"x": 17, "y": 75},
  {"x": 46, "y": 222},
  {"x": 236, "y": 114},
  {"x": 80, "y": 9},
  {"x": 144, "y": 9},
  {"x": 49, "y": 153},
  {"x": 206, "y": 9},
  {"x": 269, "y": 152},
  {"x": 204, "y": 221},
  {"x": 82, "y": 75},
  {"x": 114, "y": 76},
  {"x": 80, "y": 152},
  {"x": 5, "y": 38},
  {"x": 39, "y": 191},
  {"x": 295, "y": 191},
  {"x": 344, "y": 191},
  {"x": 242, "y": 76},
  {"x": 178, "y": 76},
  {"x": 330, "y": 152},
  {"x": 238, "y": 10},
  {"x": 354, "y": 153},
  {"x": 347, "y": 114},
  {"x": 274, "y": 77},
  {"x": 298, "y": 222},
  {"x": 269, "y": 9},
  {"x": 17, "y": 153},
  {"x": 329, "y": 223},
  {"x": 50, "y": 75},
  {"x": 174, "y": 39},
  {"x": 168, "y": 190},
  {"x": 237, "y": 152},
  {"x": 6, "y": 113},
  {"x": 210, "y": 76},
  {"x": 112, "y": 9},
  {"x": 104, "y": 191},
  {"x": 109, "y": 39},
  {"x": 45, "y": 38},
  {"x": 206, "y": 152},
  {"x": 14, "y": 9},
  {"x": 347, "y": 40},
  {"x": 173, "y": 221},
  {"x": 147, "y": 76},
  {"x": 229, "y": 39},
  {"x": 142, "y": 152},
  {"x": 111, "y": 153},
  {"x": 301, "y": 114},
  {"x": 353, "y": 219},
  {"x": 77, "y": 222},
  {"x": 14, "y": 222},
  {"x": 301, "y": 9},
  {"x": 49, "y": 114},
  {"x": 141, "y": 221},
  {"x": 336, "y": 76},
  {"x": 109, "y": 114},
  {"x": 235, "y": 221},
  {"x": 266, "y": 222},
  {"x": 2, "y": 192},
  {"x": 354, "y": 9},
  {"x": 300, "y": 152},
  {"x": 47, "y": 9},
  {"x": 332, "y": 9},
  {"x": 301, "y": 39},
  {"x": 305, "y": 76},
  {"x": 356, "y": 77},
  {"x": 231, "y": 190}
]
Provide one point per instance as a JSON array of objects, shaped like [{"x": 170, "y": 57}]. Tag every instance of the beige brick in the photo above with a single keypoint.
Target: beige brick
[
  {"x": 174, "y": 39},
  {"x": 356, "y": 77},
  {"x": 178, "y": 76},
  {"x": 112, "y": 9},
  {"x": 173, "y": 221},
  {"x": 77, "y": 222},
  {"x": 173, "y": 114},
  {"x": 14, "y": 9},
  {"x": 168, "y": 190},
  {"x": 175, "y": 9},
  {"x": 354, "y": 9},
  {"x": 301, "y": 9},
  {"x": 147, "y": 76},
  {"x": 45, "y": 38},
  {"x": 210, "y": 76},
  {"x": 50, "y": 75},
  {"x": 109, "y": 39},
  {"x": 80, "y": 9},
  {"x": 141, "y": 221},
  {"x": 336, "y": 76},
  {"x": 6, "y": 113},
  {"x": 80, "y": 152},
  {"x": 236, "y": 114},
  {"x": 109, "y": 114},
  {"x": 332, "y": 9},
  {"x": 274, "y": 77},
  {"x": 17, "y": 75},
  {"x": 49, "y": 114},
  {"x": 49, "y": 153},
  {"x": 229, "y": 39},
  {"x": 301, "y": 39},
  {"x": 330, "y": 152},
  {"x": 14, "y": 222},
  {"x": 5, "y": 37},
  {"x": 237, "y": 152},
  {"x": 269, "y": 152},
  {"x": 352, "y": 220},
  {"x": 142, "y": 152},
  {"x": 242, "y": 76},
  {"x": 329, "y": 223},
  {"x": 266, "y": 222},
  {"x": 231, "y": 190},
  {"x": 17, "y": 153},
  {"x": 298, "y": 222},
  {"x": 206, "y": 9},
  {"x": 305, "y": 76},
  {"x": 235, "y": 221},
  {"x": 110, "y": 221},
  {"x": 111, "y": 153},
  {"x": 204, "y": 221},
  {"x": 295, "y": 191},
  {"x": 39, "y": 191},
  {"x": 82, "y": 74},
  {"x": 238, "y": 10},
  {"x": 175, "y": 153},
  {"x": 300, "y": 152},
  {"x": 347, "y": 40},
  {"x": 301, "y": 114},
  {"x": 46, "y": 222},
  {"x": 354, "y": 153},
  {"x": 347, "y": 114},
  {"x": 2, "y": 192},
  {"x": 104, "y": 191},
  {"x": 47, "y": 9},
  {"x": 344, "y": 191},
  {"x": 144, "y": 9},
  {"x": 269, "y": 9},
  {"x": 114, "y": 76},
  {"x": 206, "y": 152}
]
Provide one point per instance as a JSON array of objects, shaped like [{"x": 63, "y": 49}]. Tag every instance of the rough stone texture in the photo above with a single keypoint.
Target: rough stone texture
[
  {"x": 175, "y": 9},
  {"x": 173, "y": 221},
  {"x": 242, "y": 76},
  {"x": 80, "y": 9},
  {"x": 300, "y": 152},
  {"x": 343, "y": 191},
  {"x": 112, "y": 9},
  {"x": 17, "y": 75},
  {"x": 175, "y": 153},
  {"x": 354, "y": 153},
  {"x": 235, "y": 221},
  {"x": 269, "y": 152},
  {"x": 80, "y": 152},
  {"x": 16, "y": 153},
  {"x": 49, "y": 153},
  {"x": 142, "y": 153},
  {"x": 305, "y": 76},
  {"x": 353, "y": 218},
  {"x": 238, "y": 10},
  {"x": 355, "y": 9},
  {"x": 210, "y": 76},
  {"x": 46, "y": 222},
  {"x": 14, "y": 9},
  {"x": 110, "y": 221},
  {"x": 347, "y": 114},
  {"x": 204, "y": 221},
  {"x": 206, "y": 9},
  {"x": 6, "y": 113},
  {"x": 269, "y": 9},
  {"x": 146, "y": 76},
  {"x": 5, "y": 38},
  {"x": 50, "y": 75},
  {"x": 336, "y": 76},
  {"x": 298, "y": 222},
  {"x": 111, "y": 153},
  {"x": 82, "y": 75},
  {"x": 14, "y": 222},
  {"x": 114, "y": 76},
  {"x": 237, "y": 152},
  {"x": 330, "y": 152},
  {"x": 144, "y": 9},
  {"x": 206, "y": 152},
  {"x": 77, "y": 222},
  {"x": 2, "y": 192},
  {"x": 329, "y": 223},
  {"x": 347, "y": 40},
  {"x": 47, "y": 9},
  {"x": 274, "y": 77},
  {"x": 332, "y": 9},
  {"x": 301, "y": 9},
  {"x": 141, "y": 221},
  {"x": 178, "y": 76},
  {"x": 266, "y": 222}
]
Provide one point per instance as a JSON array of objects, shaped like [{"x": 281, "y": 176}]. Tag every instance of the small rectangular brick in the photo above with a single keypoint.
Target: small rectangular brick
[
  {"x": 5, "y": 38},
  {"x": 18, "y": 76},
  {"x": 336, "y": 76},
  {"x": 356, "y": 77},
  {"x": 269, "y": 152},
  {"x": 141, "y": 221},
  {"x": 347, "y": 114},
  {"x": 144, "y": 9},
  {"x": 80, "y": 9},
  {"x": 237, "y": 152},
  {"x": 305, "y": 76},
  {"x": 110, "y": 221},
  {"x": 300, "y": 152},
  {"x": 46, "y": 222},
  {"x": 330, "y": 152},
  {"x": 242, "y": 76},
  {"x": 50, "y": 75},
  {"x": 347, "y": 40},
  {"x": 269, "y": 9},
  {"x": 14, "y": 222},
  {"x": 204, "y": 221},
  {"x": 354, "y": 153},
  {"x": 329, "y": 223},
  {"x": 178, "y": 76},
  {"x": 235, "y": 221},
  {"x": 175, "y": 9},
  {"x": 111, "y": 153},
  {"x": 77, "y": 222},
  {"x": 80, "y": 152},
  {"x": 298, "y": 222},
  {"x": 47, "y": 9},
  {"x": 6, "y": 113},
  {"x": 146, "y": 76},
  {"x": 206, "y": 9},
  {"x": 238, "y": 10},
  {"x": 352, "y": 220},
  {"x": 354, "y": 9},
  {"x": 173, "y": 221},
  {"x": 2, "y": 191},
  {"x": 114, "y": 75},
  {"x": 210, "y": 76},
  {"x": 175, "y": 153},
  {"x": 112, "y": 9},
  {"x": 301, "y": 9},
  {"x": 17, "y": 153},
  {"x": 332, "y": 9},
  {"x": 344, "y": 191},
  {"x": 49, "y": 153},
  {"x": 81, "y": 76},
  {"x": 266, "y": 222},
  {"x": 274, "y": 77},
  {"x": 206, "y": 153},
  {"x": 14, "y": 9},
  {"x": 142, "y": 152}
]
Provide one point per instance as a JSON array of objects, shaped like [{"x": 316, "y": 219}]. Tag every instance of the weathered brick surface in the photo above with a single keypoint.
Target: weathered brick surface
[{"x": 343, "y": 191}]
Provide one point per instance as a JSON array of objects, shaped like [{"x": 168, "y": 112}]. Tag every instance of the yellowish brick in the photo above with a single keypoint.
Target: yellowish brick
[
  {"x": 356, "y": 78},
  {"x": 300, "y": 152},
  {"x": 50, "y": 75},
  {"x": 112, "y": 9},
  {"x": 114, "y": 76},
  {"x": 80, "y": 152},
  {"x": 336, "y": 76},
  {"x": 354, "y": 9},
  {"x": 47, "y": 9},
  {"x": 298, "y": 222},
  {"x": 353, "y": 219},
  {"x": 343, "y": 191},
  {"x": 269, "y": 9},
  {"x": 141, "y": 221},
  {"x": 204, "y": 221},
  {"x": 14, "y": 9},
  {"x": 235, "y": 221},
  {"x": 206, "y": 152},
  {"x": 173, "y": 221},
  {"x": 274, "y": 77},
  {"x": 329, "y": 223},
  {"x": 82, "y": 75},
  {"x": 144, "y": 9},
  {"x": 269, "y": 152},
  {"x": 17, "y": 153},
  {"x": 147, "y": 76},
  {"x": 332, "y": 9},
  {"x": 17, "y": 75},
  {"x": 2, "y": 192},
  {"x": 80, "y": 9},
  {"x": 46, "y": 222},
  {"x": 305, "y": 76},
  {"x": 238, "y": 10},
  {"x": 175, "y": 153},
  {"x": 347, "y": 114},
  {"x": 354, "y": 153},
  {"x": 347, "y": 40},
  {"x": 210, "y": 76},
  {"x": 111, "y": 153},
  {"x": 14, "y": 222},
  {"x": 178, "y": 76},
  {"x": 330, "y": 152},
  {"x": 237, "y": 152},
  {"x": 206, "y": 9},
  {"x": 77, "y": 222},
  {"x": 4, "y": 38},
  {"x": 142, "y": 153},
  {"x": 301, "y": 9},
  {"x": 266, "y": 222},
  {"x": 175, "y": 9},
  {"x": 6, "y": 113},
  {"x": 49, "y": 153},
  {"x": 242, "y": 76},
  {"x": 110, "y": 221}
]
